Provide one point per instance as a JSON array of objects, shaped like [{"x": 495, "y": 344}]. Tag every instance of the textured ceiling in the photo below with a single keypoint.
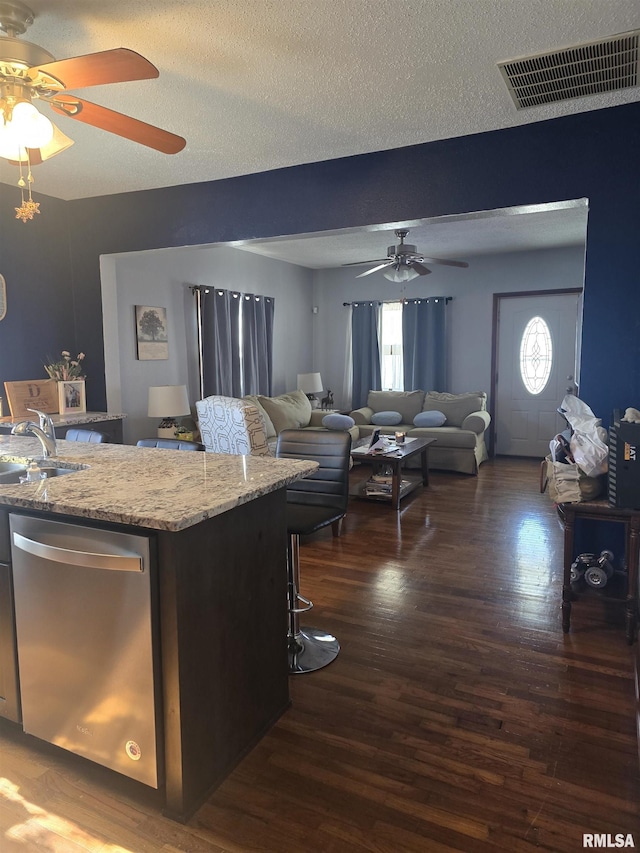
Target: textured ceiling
[
  {"x": 260, "y": 84},
  {"x": 517, "y": 229}
]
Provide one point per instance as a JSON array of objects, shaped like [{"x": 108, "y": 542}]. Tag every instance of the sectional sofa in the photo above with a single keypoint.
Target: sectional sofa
[
  {"x": 460, "y": 439},
  {"x": 252, "y": 425}
]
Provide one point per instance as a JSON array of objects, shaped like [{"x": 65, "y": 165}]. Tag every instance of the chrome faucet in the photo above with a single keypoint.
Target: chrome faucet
[{"x": 44, "y": 432}]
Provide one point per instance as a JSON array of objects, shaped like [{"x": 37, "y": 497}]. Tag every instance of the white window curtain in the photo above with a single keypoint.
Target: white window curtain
[{"x": 391, "y": 351}]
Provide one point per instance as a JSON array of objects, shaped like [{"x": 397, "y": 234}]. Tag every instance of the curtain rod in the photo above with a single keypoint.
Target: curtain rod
[
  {"x": 393, "y": 301},
  {"x": 210, "y": 288}
]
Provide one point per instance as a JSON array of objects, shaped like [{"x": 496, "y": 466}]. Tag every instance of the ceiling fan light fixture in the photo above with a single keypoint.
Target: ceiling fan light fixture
[
  {"x": 27, "y": 126},
  {"x": 58, "y": 142},
  {"x": 17, "y": 155},
  {"x": 400, "y": 274}
]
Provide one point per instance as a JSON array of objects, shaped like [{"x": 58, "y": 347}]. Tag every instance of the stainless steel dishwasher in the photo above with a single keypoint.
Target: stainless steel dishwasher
[{"x": 84, "y": 635}]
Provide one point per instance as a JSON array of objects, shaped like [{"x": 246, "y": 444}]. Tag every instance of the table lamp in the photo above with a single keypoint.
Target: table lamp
[
  {"x": 168, "y": 402},
  {"x": 311, "y": 384}
]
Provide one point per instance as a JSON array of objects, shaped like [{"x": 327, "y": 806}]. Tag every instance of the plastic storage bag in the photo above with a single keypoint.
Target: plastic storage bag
[{"x": 587, "y": 443}]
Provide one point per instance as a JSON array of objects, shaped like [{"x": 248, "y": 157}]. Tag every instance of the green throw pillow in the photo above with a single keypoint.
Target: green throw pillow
[{"x": 288, "y": 411}]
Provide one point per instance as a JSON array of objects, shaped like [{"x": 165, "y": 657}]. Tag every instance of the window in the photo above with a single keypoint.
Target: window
[
  {"x": 536, "y": 355},
  {"x": 391, "y": 342}
]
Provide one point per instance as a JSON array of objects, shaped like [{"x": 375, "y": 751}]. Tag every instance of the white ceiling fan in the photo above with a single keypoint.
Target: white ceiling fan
[{"x": 404, "y": 262}]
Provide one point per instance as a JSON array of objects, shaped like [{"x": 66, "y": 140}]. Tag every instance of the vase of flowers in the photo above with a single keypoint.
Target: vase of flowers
[
  {"x": 69, "y": 374},
  {"x": 66, "y": 368}
]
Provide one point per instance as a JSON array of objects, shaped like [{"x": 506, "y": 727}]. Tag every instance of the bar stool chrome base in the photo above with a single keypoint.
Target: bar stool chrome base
[{"x": 311, "y": 649}]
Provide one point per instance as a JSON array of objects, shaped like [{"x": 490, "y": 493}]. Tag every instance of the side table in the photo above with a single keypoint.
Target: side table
[{"x": 601, "y": 511}]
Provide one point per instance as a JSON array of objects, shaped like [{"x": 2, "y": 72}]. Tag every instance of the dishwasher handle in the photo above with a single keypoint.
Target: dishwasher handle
[{"x": 86, "y": 559}]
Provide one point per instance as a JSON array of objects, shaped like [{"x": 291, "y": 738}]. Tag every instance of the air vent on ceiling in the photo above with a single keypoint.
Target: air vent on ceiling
[{"x": 586, "y": 69}]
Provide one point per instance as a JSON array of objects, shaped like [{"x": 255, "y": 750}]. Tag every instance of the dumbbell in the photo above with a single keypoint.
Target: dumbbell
[
  {"x": 600, "y": 571},
  {"x": 580, "y": 564}
]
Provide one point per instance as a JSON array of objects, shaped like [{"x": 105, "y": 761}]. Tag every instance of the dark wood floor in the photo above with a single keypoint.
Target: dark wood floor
[{"x": 457, "y": 716}]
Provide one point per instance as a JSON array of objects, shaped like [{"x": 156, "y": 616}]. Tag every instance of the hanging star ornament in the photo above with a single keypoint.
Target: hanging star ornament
[
  {"x": 27, "y": 210},
  {"x": 29, "y": 207}
]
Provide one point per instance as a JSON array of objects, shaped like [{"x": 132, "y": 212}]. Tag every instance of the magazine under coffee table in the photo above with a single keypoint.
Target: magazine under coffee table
[{"x": 402, "y": 482}]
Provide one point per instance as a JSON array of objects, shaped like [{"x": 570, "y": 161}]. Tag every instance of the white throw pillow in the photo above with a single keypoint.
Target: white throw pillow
[
  {"x": 386, "y": 418},
  {"x": 429, "y": 419},
  {"x": 336, "y": 421}
]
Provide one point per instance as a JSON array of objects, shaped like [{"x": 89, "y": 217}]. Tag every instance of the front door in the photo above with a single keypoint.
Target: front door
[{"x": 536, "y": 343}]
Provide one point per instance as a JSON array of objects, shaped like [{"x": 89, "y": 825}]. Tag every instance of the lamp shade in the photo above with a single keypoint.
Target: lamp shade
[
  {"x": 310, "y": 383},
  {"x": 401, "y": 273},
  {"x": 18, "y": 154},
  {"x": 168, "y": 401}
]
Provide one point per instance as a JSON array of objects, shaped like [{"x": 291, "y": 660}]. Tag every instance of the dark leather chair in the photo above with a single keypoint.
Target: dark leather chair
[
  {"x": 91, "y": 435},
  {"x": 313, "y": 502},
  {"x": 170, "y": 444}
]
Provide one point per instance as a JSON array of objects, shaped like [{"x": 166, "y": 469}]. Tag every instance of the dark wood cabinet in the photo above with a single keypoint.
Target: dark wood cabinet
[{"x": 219, "y": 608}]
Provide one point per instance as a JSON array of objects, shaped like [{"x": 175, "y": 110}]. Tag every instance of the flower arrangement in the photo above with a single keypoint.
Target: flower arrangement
[{"x": 66, "y": 368}]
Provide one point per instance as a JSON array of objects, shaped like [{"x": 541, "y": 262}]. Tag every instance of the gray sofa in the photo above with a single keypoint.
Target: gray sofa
[{"x": 460, "y": 443}]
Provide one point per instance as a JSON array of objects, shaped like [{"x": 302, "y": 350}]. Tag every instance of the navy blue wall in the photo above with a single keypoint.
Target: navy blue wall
[
  {"x": 35, "y": 261},
  {"x": 593, "y": 155}
]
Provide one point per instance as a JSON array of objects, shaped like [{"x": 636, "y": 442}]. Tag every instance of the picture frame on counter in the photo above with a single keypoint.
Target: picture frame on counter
[
  {"x": 72, "y": 397},
  {"x": 41, "y": 394}
]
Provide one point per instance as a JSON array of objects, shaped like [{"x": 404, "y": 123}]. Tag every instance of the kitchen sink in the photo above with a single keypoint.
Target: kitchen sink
[
  {"x": 57, "y": 471},
  {"x": 11, "y": 472}
]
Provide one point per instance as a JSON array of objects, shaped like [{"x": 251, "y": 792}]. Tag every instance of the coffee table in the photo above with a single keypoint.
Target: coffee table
[{"x": 402, "y": 483}]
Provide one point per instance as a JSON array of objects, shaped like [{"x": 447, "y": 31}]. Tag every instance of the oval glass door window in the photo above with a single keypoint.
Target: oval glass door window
[{"x": 536, "y": 355}]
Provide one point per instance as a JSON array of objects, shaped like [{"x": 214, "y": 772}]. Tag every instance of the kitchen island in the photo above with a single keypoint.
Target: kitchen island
[{"x": 217, "y": 535}]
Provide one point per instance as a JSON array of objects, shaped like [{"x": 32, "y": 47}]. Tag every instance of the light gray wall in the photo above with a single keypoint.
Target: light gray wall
[
  {"x": 470, "y": 311},
  {"x": 303, "y": 341},
  {"x": 162, "y": 278}
]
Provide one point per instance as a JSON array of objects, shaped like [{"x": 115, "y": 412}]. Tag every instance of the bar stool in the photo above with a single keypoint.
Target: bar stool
[
  {"x": 169, "y": 444},
  {"x": 313, "y": 502},
  {"x": 90, "y": 435}
]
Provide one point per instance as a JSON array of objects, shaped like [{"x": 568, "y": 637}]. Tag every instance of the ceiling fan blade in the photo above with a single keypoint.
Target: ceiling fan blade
[
  {"x": 446, "y": 263},
  {"x": 420, "y": 269},
  {"x": 94, "y": 69},
  {"x": 374, "y": 269},
  {"x": 118, "y": 123},
  {"x": 361, "y": 263}
]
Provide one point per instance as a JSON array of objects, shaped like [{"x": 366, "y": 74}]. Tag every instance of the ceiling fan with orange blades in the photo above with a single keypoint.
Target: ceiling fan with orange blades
[
  {"x": 29, "y": 73},
  {"x": 403, "y": 262}
]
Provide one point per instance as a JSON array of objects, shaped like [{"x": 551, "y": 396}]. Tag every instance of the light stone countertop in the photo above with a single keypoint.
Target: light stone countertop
[
  {"x": 69, "y": 419},
  {"x": 146, "y": 487}
]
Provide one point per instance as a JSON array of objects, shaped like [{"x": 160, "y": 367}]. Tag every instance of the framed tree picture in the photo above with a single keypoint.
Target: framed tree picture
[{"x": 152, "y": 341}]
